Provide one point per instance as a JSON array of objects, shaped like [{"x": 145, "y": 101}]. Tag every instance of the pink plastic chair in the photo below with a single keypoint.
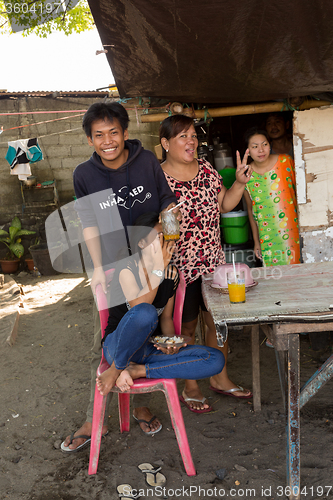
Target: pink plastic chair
[{"x": 168, "y": 386}]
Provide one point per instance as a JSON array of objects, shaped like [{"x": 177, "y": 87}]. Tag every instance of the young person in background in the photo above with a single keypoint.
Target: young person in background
[{"x": 277, "y": 130}]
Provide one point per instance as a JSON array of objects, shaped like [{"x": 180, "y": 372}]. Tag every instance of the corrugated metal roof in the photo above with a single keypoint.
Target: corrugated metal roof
[{"x": 58, "y": 93}]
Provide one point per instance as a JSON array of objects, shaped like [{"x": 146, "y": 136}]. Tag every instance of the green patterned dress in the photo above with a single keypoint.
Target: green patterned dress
[{"x": 274, "y": 209}]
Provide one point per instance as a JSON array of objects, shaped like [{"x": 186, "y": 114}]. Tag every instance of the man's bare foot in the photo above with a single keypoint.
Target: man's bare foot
[
  {"x": 85, "y": 430},
  {"x": 143, "y": 413},
  {"x": 107, "y": 380},
  {"x": 125, "y": 379},
  {"x": 229, "y": 387}
]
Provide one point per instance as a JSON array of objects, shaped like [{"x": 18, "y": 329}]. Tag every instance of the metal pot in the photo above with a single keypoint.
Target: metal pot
[{"x": 30, "y": 181}]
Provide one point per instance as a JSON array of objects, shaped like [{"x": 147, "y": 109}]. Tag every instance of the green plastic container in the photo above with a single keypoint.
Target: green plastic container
[
  {"x": 228, "y": 175},
  {"x": 235, "y": 227}
]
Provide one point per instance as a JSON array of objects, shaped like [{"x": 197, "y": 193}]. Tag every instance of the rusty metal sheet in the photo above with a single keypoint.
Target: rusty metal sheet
[{"x": 282, "y": 291}]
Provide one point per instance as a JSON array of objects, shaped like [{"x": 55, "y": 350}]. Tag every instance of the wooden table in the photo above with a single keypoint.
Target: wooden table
[{"x": 288, "y": 301}]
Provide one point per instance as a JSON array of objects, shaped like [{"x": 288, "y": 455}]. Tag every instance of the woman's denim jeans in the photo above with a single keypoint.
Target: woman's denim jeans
[{"x": 130, "y": 342}]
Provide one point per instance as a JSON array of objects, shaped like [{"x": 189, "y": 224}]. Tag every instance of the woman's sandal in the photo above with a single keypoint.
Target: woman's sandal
[
  {"x": 148, "y": 422},
  {"x": 230, "y": 392},
  {"x": 187, "y": 402},
  {"x": 153, "y": 475},
  {"x": 126, "y": 491},
  {"x": 67, "y": 449}
]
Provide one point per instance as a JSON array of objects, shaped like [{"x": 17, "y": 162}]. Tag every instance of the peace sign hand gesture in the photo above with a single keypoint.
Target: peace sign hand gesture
[{"x": 243, "y": 171}]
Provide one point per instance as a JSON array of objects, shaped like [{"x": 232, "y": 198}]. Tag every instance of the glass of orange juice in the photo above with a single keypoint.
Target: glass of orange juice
[
  {"x": 236, "y": 287},
  {"x": 170, "y": 225}
]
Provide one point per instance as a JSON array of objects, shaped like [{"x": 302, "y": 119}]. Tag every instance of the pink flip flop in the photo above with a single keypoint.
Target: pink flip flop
[
  {"x": 231, "y": 391},
  {"x": 187, "y": 399}
]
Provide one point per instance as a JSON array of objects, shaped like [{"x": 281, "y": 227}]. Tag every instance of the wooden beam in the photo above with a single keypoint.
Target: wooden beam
[{"x": 245, "y": 109}]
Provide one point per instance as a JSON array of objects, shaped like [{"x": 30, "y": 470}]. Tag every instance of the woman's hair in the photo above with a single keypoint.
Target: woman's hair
[
  {"x": 255, "y": 131},
  {"x": 141, "y": 229},
  {"x": 172, "y": 126},
  {"x": 105, "y": 111}
]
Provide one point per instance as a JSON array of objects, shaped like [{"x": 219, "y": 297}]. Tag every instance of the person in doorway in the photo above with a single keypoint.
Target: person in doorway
[
  {"x": 145, "y": 284},
  {"x": 271, "y": 202},
  {"x": 277, "y": 129},
  {"x": 198, "y": 185},
  {"x": 120, "y": 182}
]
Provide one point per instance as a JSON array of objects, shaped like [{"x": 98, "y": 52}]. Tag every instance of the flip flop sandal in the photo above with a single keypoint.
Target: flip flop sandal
[
  {"x": 231, "y": 391},
  {"x": 148, "y": 422},
  {"x": 186, "y": 400},
  {"x": 126, "y": 491},
  {"x": 153, "y": 475},
  {"x": 67, "y": 449}
]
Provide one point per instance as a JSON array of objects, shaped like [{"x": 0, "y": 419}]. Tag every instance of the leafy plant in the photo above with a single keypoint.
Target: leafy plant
[
  {"x": 12, "y": 239},
  {"x": 36, "y": 242},
  {"x": 39, "y": 17}
]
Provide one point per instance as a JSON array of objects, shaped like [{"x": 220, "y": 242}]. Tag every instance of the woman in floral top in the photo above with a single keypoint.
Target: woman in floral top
[
  {"x": 198, "y": 251},
  {"x": 271, "y": 200}
]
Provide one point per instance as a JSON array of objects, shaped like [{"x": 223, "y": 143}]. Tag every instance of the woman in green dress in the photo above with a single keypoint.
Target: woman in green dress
[{"x": 271, "y": 201}]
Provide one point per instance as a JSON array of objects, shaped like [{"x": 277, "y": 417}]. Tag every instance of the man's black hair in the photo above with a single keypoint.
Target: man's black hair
[
  {"x": 278, "y": 114},
  {"x": 105, "y": 111}
]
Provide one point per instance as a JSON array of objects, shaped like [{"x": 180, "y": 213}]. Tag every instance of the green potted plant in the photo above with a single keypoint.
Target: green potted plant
[{"x": 12, "y": 240}]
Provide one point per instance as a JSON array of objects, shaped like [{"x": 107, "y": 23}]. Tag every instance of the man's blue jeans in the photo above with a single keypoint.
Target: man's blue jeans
[{"x": 130, "y": 342}]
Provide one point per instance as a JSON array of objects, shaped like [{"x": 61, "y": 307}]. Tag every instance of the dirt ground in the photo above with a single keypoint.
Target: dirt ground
[{"x": 44, "y": 384}]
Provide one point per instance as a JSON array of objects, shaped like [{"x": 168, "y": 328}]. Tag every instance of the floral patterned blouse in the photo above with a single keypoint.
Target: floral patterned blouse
[
  {"x": 274, "y": 209},
  {"x": 198, "y": 249}
]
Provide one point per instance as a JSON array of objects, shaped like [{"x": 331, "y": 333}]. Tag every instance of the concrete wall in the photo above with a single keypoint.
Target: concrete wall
[
  {"x": 62, "y": 150},
  {"x": 313, "y": 147}
]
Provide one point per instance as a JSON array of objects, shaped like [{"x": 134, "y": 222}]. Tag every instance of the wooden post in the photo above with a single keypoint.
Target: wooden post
[
  {"x": 293, "y": 424},
  {"x": 255, "y": 368}
]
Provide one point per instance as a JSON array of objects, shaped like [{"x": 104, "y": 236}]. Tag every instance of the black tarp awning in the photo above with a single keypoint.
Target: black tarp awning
[{"x": 218, "y": 51}]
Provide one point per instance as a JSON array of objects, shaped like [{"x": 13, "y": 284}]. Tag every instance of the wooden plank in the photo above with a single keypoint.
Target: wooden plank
[
  {"x": 281, "y": 361},
  {"x": 9, "y": 312},
  {"x": 14, "y": 323},
  {"x": 280, "y": 339},
  {"x": 281, "y": 291},
  {"x": 284, "y": 328},
  {"x": 293, "y": 420},
  {"x": 256, "y": 389}
]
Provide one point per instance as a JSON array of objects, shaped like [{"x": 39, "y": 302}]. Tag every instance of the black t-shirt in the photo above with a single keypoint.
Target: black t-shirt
[{"x": 165, "y": 291}]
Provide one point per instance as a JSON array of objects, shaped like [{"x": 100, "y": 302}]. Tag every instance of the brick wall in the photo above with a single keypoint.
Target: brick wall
[{"x": 62, "y": 151}]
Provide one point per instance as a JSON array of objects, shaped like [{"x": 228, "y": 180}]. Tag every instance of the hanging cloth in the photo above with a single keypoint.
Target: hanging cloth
[{"x": 20, "y": 154}]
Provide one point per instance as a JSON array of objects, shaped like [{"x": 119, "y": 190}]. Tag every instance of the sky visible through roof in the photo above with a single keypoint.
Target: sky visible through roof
[{"x": 55, "y": 63}]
